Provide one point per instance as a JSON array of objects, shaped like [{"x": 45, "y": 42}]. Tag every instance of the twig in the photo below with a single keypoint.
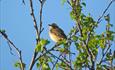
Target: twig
[
  {"x": 13, "y": 46},
  {"x": 80, "y": 30},
  {"x": 40, "y": 14},
  {"x": 86, "y": 44},
  {"x": 62, "y": 61},
  {"x": 47, "y": 51},
  {"x": 109, "y": 45},
  {"x": 34, "y": 59},
  {"x": 10, "y": 48},
  {"x": 23, "y": 1},
  {"x": 99, "y": 19},
  {"x": 34, "y": 19},
  {"x": 56, "y": 61},
  {"x": 38, "y": 32},
  {"x": 104, "y": 55},
  {"x": 70, "y": 57},
  {"x": 69, "y": 2}
]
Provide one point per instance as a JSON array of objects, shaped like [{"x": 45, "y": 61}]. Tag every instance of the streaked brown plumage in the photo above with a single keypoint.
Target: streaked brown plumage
[{"x": 56, "y": 33}]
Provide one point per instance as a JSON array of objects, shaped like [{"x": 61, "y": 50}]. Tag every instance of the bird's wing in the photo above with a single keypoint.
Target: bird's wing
[{"x": 59, "y": 32}]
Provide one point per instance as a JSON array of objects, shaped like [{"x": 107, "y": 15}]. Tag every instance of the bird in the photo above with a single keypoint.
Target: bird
[{"x": 56, "y": 33}]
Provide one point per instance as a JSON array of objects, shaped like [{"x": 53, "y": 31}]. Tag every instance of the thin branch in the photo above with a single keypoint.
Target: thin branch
[
  {"x": 13, "y": 46},
  {"x": 34, "y": 59},
  {"x": 81, "y": 33},
  {"x": 69, "y": 2},
  {"x": 47, "y": 51},
  {"x": 56, "y": 61},
  {"x": 99, "y": 19},
  {"x": 109, "y": 45},
  {"x": 40, "y": 14},
  {"x": 70, "y": 60},
  {"x": 23, "y": 1},
  {"x": 34, "y": 19},
  {"x": 38, "y": 32},
  {"x": 104, "y": 55},
  {"x": 86, "y": 44},
  {"x": 62, "y": 61},
  {"x": 10, "y": 48}
]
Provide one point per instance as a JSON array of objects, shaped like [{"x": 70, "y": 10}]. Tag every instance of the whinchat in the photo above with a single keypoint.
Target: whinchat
[{"x": 56, "y": 33}]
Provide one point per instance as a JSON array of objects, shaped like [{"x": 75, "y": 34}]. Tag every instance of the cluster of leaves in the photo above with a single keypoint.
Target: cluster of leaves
[
  {"x": 40, "y": 46},
  {"x": 87, "y": 42}
]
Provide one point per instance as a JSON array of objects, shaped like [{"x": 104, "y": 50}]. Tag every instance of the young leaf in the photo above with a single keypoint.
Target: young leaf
[
  {"x": 38, "y": 65},
  {"x": 74, "y": 38},
  {"x": 84, "y": 4},
  {"x": 63, "y": 2},
  {"x": 44, "y": 42},
  {"x": 17, "y": 65},
  {"x": 38, "y": 47}
]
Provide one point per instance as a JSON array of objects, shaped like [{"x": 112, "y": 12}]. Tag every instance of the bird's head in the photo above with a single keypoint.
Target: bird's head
[{"x": 53, "y": 25}]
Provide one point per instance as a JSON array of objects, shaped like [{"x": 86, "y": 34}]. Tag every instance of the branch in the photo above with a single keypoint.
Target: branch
[
  {"x": 62, "y": 61},
  {"x": 56, "y": 61},
  {"x": 38, "y": 32},
  {"x": 84, "y": 42},
  {"x": 47, "y": 51},
  {"x": 23, "y": 1},
  {"x": 104, "y": 55},
  {"x": 81, "y": 33},
  {"x": 16, "y": 49},
  {"x": 34, "y": 19},
  {"x": 99, "y": 19},
  {"x": 70, "y": 57},
  {"x": 109, "y": 45},
  {"x": 41, "y": 7}
]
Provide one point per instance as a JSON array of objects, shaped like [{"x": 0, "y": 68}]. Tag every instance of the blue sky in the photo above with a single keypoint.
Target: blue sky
[{"x": 16, "y": 20}]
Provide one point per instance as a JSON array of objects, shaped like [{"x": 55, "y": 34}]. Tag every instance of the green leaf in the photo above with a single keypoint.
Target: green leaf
[
  {"x": 17, "y": 64},
  {"x": 38, "y": 65},
  {"x": 102, "y": 44},
  {"x": 44, "y": 42},
  {"x": 2, "y": 30},
  {"x": 72, "y": 15},
  {"x": 107, "y": 17},
  {"x": 63, "y": 2},
  {"x": 57, "y": 66},
  {"x": 109, "y": 25},
  {"x": 78, "y": 46},
  {"x": 84, "y": 4},
  {"x": 45, "y": 67},
  {"x": 41, "y": 44},
  {"x": 62, "y": 42},
  {"x": 50, "y": 59},
  {"x": 61, "y": 49},
  {"x": 74, "y": 38},
  {"x": 99, "y": 67},
  {"x": 38, "y": 47},
  {"x": 108, "y": 56}
]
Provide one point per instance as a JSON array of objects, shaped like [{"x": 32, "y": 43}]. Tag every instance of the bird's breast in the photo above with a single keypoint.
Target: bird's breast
[{"x": 54, "y": 37}]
